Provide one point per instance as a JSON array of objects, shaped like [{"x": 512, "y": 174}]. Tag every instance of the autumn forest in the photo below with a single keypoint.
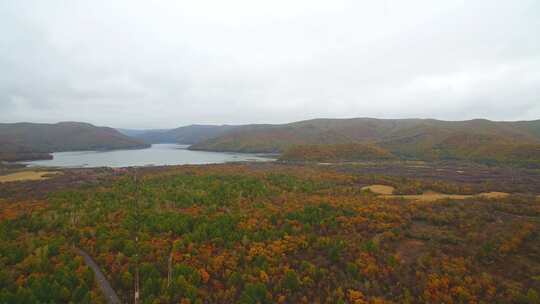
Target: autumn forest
[
  {"x": 269, "y": 152},
  {"x": 264, "y": 233}
]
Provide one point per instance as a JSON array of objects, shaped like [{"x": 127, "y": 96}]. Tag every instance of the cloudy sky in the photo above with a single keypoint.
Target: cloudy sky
[{"x": 159, "y": 64}]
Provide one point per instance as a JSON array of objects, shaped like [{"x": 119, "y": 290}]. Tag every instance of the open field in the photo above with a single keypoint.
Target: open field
[
  {"x": 264, "y": 233},
  {"x": 27, "y": 176},
  {"x": 478, "y": 178},
  {"x": 386, "y": 192},
  {"x": 39, "y": 189},
  {"x": 380, "y": 189}
]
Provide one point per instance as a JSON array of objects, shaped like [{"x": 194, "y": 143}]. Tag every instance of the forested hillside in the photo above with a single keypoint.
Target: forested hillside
[
  {"x": 267, "y": 234},
  {"x": 336, "y": 153},
  {"x": 425, "y": 139},
  {"x": 25, "y": 141}
]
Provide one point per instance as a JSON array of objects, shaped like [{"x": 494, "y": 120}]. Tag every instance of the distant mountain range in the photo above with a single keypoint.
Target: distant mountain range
[
  {"x": 28, "y": 141},
  {"x": 425, "y": 139},
  {"x": 183, "y": 135},
  {"x": 477, "y": 140}
]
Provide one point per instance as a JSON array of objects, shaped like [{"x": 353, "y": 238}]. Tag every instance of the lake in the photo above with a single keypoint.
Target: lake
[{"x": 156, "y": 155}]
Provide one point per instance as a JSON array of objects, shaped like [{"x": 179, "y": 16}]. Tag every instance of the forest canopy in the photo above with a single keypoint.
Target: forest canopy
[{"x": 268, "y": 234}]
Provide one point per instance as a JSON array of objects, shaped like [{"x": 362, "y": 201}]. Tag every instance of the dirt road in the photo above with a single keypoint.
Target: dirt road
[{"x": 103, "y": 284}]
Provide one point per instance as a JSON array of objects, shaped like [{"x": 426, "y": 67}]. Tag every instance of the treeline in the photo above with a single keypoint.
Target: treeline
[
  {"x": 23, "y": 156},
  {"x": 336, "y": 153},
  {"x": 489, "y": 150},
  {"x": 461, "y": 148}
]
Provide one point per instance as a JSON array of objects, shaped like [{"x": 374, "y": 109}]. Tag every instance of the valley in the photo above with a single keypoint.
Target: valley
[
  {"x": 269, "y": 152},
  {"x": 479, "y": 140},
  {"x": 345, "y": 211}
]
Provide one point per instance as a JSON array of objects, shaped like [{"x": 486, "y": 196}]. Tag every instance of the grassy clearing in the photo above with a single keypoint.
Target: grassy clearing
[
  {"x": 429, "y": 196},
  {"x": 380, "y": 189},
  {"x": 27, "y": 175}
]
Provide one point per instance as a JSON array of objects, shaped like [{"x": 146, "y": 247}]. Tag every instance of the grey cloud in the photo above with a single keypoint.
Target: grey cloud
[{"x": 140, "y": 65}]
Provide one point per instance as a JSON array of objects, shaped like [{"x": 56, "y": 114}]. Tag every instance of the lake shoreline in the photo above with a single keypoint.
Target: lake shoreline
[{"x": 155, "y": 155}]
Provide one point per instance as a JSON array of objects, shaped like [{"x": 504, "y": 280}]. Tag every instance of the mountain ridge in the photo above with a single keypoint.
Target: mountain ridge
[
  {"x": 424, "y": 139},
  {"x": 30, "y": 141},
  {"x": 189, "y": 134}
]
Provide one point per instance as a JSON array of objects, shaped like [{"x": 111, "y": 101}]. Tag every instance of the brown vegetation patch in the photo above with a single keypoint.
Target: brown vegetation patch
[
  {"x": 462, "y": 177},
  {"x": 27, "y": 175},
  {"x": 380, "y": 189},
  {"x": 494, "y": 194},
  {"x": 409, "y": 250},
  {"x": 430, "y": 196}
]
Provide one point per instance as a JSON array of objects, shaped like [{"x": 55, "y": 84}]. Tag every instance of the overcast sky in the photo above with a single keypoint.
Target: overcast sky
[{"x": 160, "y": 64}]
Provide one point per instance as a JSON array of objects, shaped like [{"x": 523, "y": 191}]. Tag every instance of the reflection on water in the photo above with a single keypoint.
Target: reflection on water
[{"x": 157, "y": 155}]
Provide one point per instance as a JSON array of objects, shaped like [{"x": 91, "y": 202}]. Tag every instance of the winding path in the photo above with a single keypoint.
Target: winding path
[{"x": 103, "y": 284}]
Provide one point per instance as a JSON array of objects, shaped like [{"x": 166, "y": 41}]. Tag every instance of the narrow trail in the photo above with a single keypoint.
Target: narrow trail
[{"x": 103, "y": 284}]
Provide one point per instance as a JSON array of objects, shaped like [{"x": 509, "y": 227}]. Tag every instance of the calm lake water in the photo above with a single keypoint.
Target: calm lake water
[{"x": 157, "y": 155}]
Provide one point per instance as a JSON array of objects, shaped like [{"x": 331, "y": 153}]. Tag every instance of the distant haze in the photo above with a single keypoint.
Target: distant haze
[{"x": 162, "y": 64}]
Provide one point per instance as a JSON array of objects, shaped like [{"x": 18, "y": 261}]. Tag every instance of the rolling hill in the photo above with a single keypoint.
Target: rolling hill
[
  {"x": 28, "y": 141},
  {"x": 183, "y": 135},
  {"x": 427, "y": 139}
]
